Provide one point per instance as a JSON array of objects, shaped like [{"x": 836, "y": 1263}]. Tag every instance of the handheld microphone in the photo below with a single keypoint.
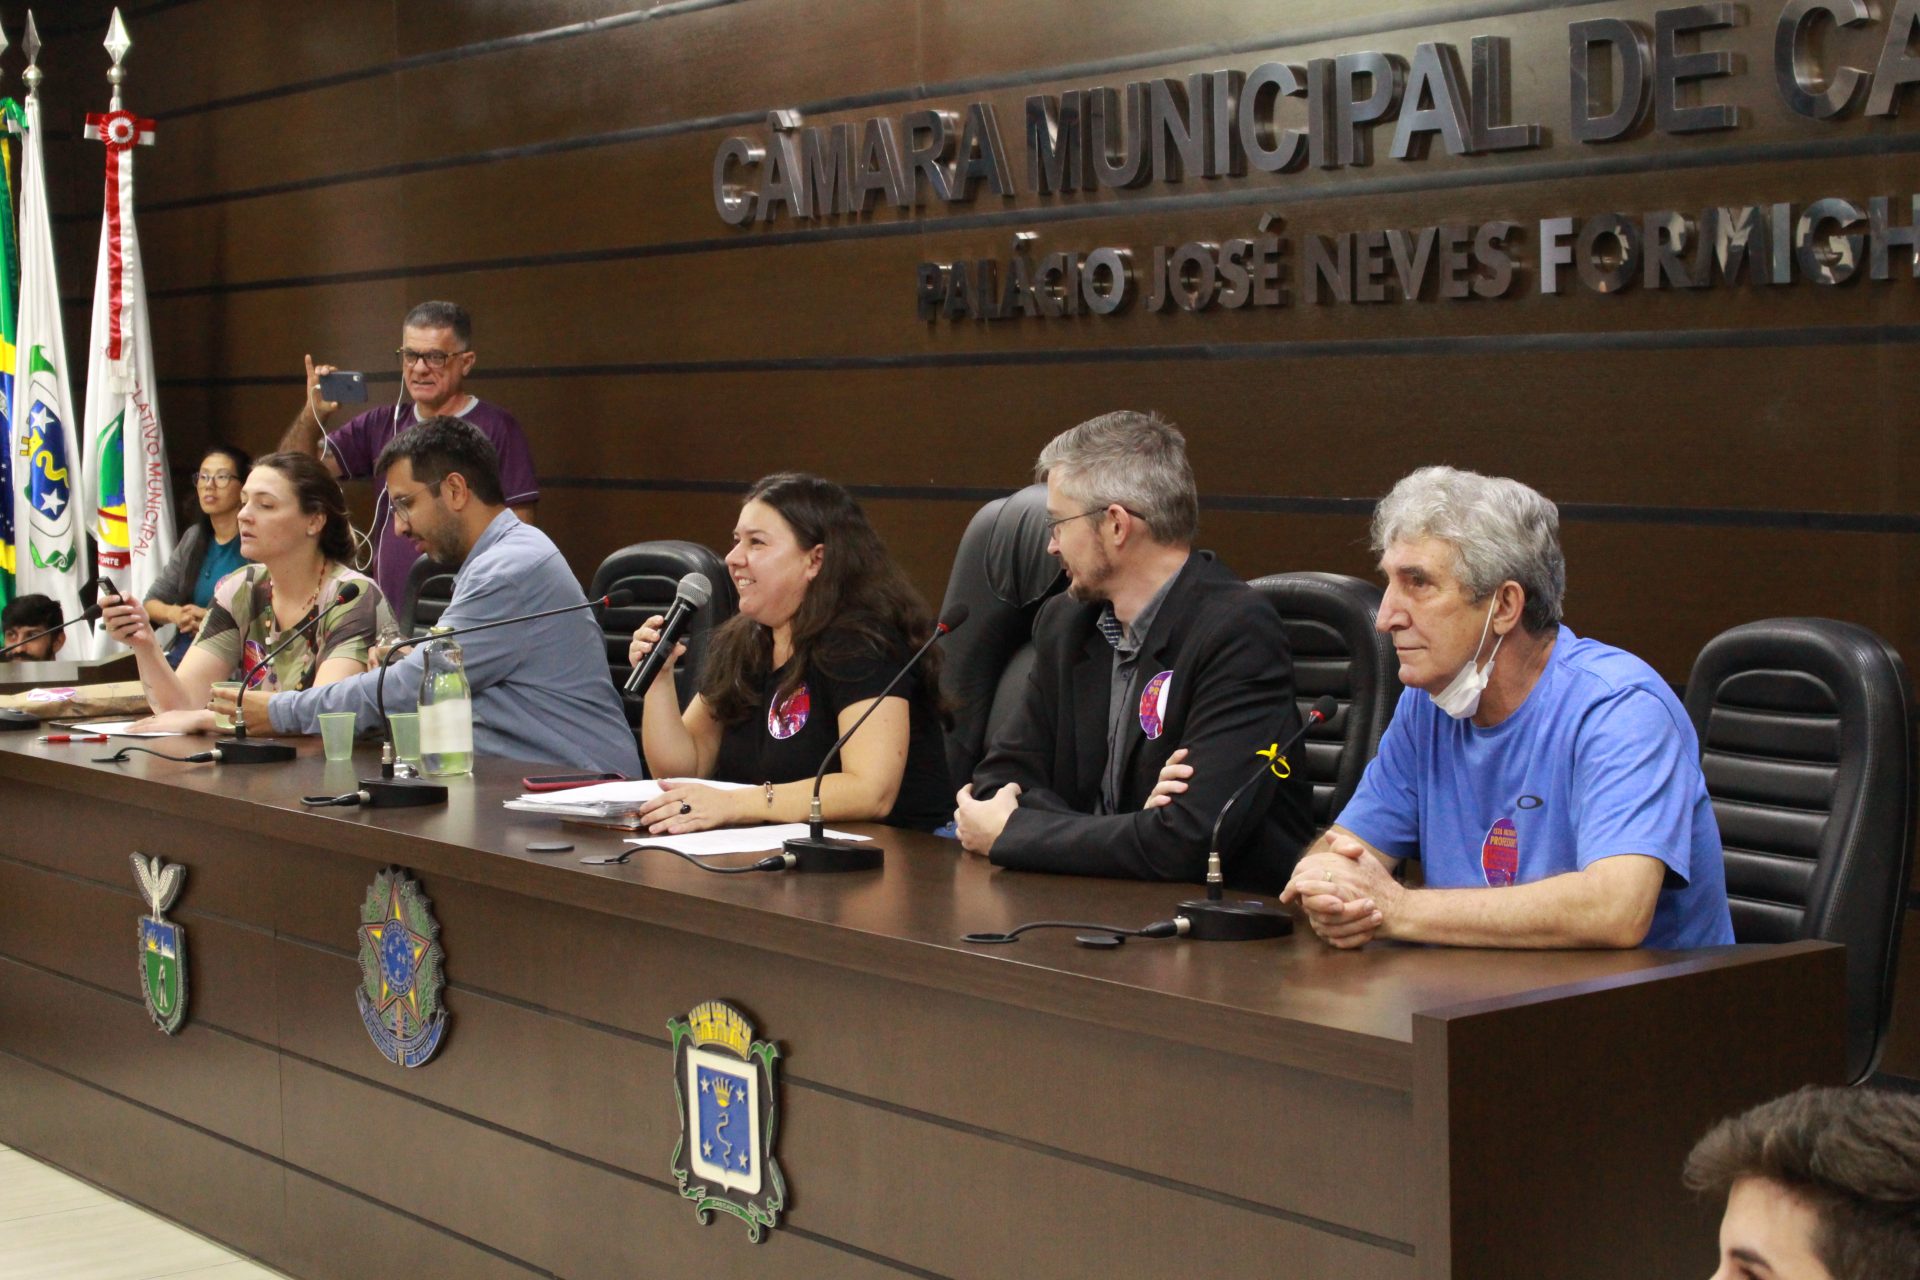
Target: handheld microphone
[
  {"x": 91, "y": 612},
  {"x": 389, "y": 792},
  {"x": 239, "y": 749},
  {"x": 688, "y": 599},
  {"x": 815, "y": 851}
]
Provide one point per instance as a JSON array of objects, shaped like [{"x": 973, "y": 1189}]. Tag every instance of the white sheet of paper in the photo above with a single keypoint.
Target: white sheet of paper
[
  {"x": 637, "y": 791},
  {"x": 119, "y": 729},
  {"x": 706, "y": 844}
]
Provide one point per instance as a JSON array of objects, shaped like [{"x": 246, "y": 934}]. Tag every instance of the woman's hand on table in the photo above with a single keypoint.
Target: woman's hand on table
[
  {"x": 199, "y": 720},
  {"x": 686, "y": 806}
]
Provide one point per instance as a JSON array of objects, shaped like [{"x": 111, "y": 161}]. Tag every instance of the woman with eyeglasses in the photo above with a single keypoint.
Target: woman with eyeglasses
[
  {"x": 292, "y": 524},
  {"x": 208, "y": 551}
]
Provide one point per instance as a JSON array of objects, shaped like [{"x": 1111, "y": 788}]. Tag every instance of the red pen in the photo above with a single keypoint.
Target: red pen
[{"x": 74, "y": 737}]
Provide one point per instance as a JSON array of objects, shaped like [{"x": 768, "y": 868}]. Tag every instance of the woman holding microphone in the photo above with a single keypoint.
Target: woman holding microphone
[
  {"x": 826, "y": 620},
  {"x": 293, "y": 525}
]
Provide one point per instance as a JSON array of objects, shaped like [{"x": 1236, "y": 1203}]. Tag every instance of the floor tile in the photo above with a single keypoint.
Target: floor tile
[
  {"x": 112, "y": 1241},
  {"x": 240, "y": 1269},
  {"x": 56, "y": 1227},
  {"x": 29, "y": 1189}
]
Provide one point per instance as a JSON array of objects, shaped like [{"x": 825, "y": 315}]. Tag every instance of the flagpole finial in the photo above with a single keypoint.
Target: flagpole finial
[
  {"x": 3, "y": 40},
  {"x": 32, "y": 45},
  {"x": 117, "y": 43}
]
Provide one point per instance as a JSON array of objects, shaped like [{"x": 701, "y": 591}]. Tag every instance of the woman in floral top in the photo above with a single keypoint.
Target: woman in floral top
[{"x": 293, "y": 525}]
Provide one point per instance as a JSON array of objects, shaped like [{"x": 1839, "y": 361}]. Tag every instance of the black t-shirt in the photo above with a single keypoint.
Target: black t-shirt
[{"x": 787, "y": 743}]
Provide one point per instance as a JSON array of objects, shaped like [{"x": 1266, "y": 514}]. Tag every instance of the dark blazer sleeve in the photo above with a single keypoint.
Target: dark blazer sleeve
[{"x": 1241, "y": 698}]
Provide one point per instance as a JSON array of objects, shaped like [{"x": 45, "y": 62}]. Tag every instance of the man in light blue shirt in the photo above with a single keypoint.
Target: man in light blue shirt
[
  {"x": 1551, "y": 790},
  {"x": 541, "y": 689}
]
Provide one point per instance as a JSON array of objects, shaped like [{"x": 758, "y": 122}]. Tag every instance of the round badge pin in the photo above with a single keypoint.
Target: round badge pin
[
  {"x": 1500, "y": 853},
  {"x": 789, "y": 716},
  {"x": 1153, "y": 704}
]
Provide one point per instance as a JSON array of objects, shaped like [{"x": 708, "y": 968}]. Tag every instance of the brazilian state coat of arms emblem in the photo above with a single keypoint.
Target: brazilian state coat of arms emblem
[
  {"x": 725, "y": 1080},
  {"x": 163, "y": 944},
  {"x": 400, "y": 970}
]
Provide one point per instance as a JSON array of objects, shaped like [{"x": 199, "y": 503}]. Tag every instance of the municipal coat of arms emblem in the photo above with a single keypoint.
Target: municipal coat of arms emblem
[
  {"x": 400, "y": 970},
  {"x": 162, "y": 943},
  {"x": 725, "y": 1081}
]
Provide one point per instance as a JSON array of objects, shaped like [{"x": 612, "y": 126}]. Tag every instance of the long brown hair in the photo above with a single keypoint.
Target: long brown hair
[{"x": 860, "y": 603}]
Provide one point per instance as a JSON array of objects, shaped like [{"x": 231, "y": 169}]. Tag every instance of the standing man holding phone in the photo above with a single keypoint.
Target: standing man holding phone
[{"x": 436, "y": 355}]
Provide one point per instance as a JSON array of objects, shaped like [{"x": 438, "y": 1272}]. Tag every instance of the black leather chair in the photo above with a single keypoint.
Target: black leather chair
[
  {"x": 652, "y": 571},
  {"x": 1807, "y": 739},
  {"x": 1003, "y": 574},
  {"x": 429, "y": 591},
  {"x": 1328, "y": 618}
]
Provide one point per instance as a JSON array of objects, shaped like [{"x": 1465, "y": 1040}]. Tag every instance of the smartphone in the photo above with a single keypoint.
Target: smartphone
[
  {"x": 561, "y": 781},
  {"x": 344, "y": 386}
]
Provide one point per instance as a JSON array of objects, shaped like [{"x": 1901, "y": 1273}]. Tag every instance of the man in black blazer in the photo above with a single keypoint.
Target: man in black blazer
[{"x": 1154, "y": 647}]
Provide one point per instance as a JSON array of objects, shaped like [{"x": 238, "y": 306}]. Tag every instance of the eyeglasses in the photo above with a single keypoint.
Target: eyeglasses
[
  {"x": 403, "y": 507},
  {"x": 434, "y": 360},
  {"x": 1053, "y": 526},
  {"x": 219, "y": 479}
]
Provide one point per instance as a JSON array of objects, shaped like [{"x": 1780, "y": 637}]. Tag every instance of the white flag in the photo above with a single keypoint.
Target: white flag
[
  {"x": 127, "y": 495},
  {"x": 51, "y": 556}
]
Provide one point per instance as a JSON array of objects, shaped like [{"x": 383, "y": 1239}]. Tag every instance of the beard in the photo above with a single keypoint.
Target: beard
[
  {"x": 1088, "y": 583},
  {"x": 441, "y": 546}
]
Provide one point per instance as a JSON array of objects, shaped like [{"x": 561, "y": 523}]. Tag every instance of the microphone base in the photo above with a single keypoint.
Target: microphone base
[
  {"x": 253, "y": 751},
  {"x": 823, "y": 853},
  {"x": 16, "y": 720},
  {"x": 1229, "y": 921},
  {"x": 401, "y": 793}
]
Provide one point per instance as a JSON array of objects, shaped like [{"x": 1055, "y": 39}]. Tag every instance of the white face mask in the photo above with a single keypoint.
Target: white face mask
[{"x": 1461, "y": 698}]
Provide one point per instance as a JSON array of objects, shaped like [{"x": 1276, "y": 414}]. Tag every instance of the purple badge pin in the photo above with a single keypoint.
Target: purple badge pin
[
  {"x": 1153, "y": 704},
  {"x": 1500, "y": 853}
]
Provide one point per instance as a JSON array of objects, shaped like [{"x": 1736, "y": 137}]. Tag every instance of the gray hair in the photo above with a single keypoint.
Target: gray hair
[
  {"x": 1135, "y": 460},
  {"x": 442, "y": 315},
  {"x": 1499, "y": 530}
]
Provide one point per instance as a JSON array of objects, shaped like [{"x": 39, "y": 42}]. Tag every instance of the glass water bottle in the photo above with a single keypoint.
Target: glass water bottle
[{"x": 446, "y": 710}]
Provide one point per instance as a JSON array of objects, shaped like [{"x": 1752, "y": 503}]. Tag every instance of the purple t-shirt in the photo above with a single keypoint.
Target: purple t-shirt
[{"x": 358, "y": 444}]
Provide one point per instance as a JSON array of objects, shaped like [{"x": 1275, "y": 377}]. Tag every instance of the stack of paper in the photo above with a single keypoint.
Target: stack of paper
[{"x": 602, "y": 800}]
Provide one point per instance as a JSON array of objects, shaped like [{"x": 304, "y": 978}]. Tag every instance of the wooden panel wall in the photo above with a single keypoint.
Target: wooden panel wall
[{"x": 1720, "y": 455}]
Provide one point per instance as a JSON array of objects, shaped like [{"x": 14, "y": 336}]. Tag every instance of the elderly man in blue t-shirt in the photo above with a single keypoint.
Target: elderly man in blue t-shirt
[{"x": 1549, "y": 784}]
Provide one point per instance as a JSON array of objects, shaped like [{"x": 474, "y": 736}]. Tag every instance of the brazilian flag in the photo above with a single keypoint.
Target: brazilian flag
[{"x": 9, "y": 323}]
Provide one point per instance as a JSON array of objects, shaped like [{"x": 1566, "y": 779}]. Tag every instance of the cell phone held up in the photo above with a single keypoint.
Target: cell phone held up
[{"x": 343, "y": 386}]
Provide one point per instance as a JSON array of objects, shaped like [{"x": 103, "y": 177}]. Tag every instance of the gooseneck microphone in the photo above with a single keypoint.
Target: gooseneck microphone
[
  {"x": 91, "y": 612},
  {"x": 689, "y": 598},
  {"x": 1210, "y": 919},
  {"x": 815, "y": 851},
  {"x": 240, "y": 749},
  {"x": 88, "y": 614},
  {"x": 1207, "y": 919},
  {"x": 13, "y": 721},
  {"x": 1321, "y": 711},
  {"x": 389, "y": 792}
]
